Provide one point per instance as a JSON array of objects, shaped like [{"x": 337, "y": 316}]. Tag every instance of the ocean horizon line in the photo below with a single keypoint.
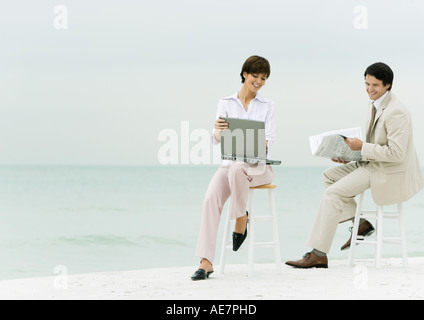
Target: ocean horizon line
[
  {"x": 146, "y": 165},
  {"x": 143, "y": 165}
]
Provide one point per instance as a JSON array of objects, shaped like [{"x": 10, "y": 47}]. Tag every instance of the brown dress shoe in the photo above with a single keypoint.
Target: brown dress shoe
[
  {"x": 365, "y": 229},
  {"x": 310, "y": 260}
]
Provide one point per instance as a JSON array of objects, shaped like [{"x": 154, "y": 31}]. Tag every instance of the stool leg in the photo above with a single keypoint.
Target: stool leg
[
  {"x": 403, "y": 235},
  {"x": 379, "y": 245},
  {"x": 225, "y": 242},
  {"x": 275, "y": 230},
  {"x": 355, "y": 229},
  {"x": 251, "y": 231}
]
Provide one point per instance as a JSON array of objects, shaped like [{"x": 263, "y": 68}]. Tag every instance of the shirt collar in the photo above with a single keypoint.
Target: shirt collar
[
  {"x": 258, "y": 97},
  {"x": 378, "y": 101}
]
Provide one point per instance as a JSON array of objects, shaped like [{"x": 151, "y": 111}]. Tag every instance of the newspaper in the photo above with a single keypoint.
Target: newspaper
[{"x": 331, "y": 144}]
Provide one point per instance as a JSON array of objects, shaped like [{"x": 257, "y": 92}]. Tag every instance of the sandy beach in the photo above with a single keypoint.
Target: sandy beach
[{"x": 363, "y": 281}]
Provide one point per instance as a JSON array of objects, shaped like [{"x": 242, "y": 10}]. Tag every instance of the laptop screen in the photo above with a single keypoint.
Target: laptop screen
[{"x": 244, "y": 138}]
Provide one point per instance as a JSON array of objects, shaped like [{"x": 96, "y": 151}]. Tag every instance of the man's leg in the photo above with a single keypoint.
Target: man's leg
[
  {"x": 334, "y": 174},
  {"x": 342, "y": 183},
  {"x": 337, "y": 204}
]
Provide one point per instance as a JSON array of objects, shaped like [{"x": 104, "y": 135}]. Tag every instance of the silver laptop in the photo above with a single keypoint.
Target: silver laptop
[{"x": 244, "y": 140}]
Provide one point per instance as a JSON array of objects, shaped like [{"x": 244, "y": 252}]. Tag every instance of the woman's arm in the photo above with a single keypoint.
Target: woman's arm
[{"x": 220, "y": 125}]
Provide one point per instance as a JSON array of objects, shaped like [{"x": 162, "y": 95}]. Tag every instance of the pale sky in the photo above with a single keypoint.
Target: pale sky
[{"x": 101, "y": 91}]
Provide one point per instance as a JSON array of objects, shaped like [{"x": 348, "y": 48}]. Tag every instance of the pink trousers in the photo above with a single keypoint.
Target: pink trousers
[{"x": 234, "y": 181}]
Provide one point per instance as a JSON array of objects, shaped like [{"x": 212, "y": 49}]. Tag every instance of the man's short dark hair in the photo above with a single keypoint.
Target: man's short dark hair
[
  {"x": 255, "y": 64},
  {"x": 382, "y": 72}
]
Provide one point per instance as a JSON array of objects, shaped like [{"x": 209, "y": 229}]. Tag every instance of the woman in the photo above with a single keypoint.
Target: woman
[{"x": 234, "y": 178}]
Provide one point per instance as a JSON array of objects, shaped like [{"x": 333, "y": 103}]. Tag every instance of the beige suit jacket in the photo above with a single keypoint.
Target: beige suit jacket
[{"x": 396, "y": 174}]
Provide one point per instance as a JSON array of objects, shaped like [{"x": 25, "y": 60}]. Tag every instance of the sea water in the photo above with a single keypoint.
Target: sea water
[{"x": 98, "y": 218}]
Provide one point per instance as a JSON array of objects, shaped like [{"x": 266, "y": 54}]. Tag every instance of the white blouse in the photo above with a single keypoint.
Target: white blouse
[{"x": 260, "y": 109}]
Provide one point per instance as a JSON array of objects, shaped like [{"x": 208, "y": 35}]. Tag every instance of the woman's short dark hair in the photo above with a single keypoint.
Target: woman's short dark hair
[
  {"x": 382, "y": 72},
  {"x": 255, "y": 64}
]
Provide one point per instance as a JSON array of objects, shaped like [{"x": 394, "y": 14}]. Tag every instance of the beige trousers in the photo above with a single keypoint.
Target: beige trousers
[
  {"x": 233, "y": 180},
  {"x": 342, "y": 184}
]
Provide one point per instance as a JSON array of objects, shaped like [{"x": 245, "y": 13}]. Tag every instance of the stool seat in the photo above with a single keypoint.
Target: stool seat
[
  {"x": 253, "y": 217},
  {"x": 265, "y": 186},
  {"x": 379, "y": 215}
]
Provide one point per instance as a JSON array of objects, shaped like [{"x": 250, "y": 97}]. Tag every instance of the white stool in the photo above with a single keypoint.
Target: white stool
[
  {"x": 378, "y": 215},
  {"x": 253, "y": 217}
]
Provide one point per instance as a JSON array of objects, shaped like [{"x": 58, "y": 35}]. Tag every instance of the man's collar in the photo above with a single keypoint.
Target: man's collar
[{"x": 379, "y": 100}]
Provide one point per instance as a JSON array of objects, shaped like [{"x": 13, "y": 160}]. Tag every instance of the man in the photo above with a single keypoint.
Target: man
[{"x": 389, "y": 166}]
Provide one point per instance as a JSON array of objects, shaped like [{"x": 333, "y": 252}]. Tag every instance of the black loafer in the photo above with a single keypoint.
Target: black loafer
[
  {"x": 200, "y": 274},
  {"x": 239, "y": 238}
]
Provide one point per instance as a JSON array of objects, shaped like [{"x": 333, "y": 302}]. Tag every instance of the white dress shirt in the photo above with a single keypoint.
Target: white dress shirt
[
  {"x": 260, "y": 109},
  {"x": 378, "y": 101},
  {"x": 376, "y": 104}
]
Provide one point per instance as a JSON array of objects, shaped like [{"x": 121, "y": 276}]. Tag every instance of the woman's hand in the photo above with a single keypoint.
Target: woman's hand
[{"x": 221, "y": 124}]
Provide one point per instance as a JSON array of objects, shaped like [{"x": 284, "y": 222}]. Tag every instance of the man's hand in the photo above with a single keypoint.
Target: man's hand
[
  {"x": 338, "y": 160},
  {"x": 354, "y": 144}
]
